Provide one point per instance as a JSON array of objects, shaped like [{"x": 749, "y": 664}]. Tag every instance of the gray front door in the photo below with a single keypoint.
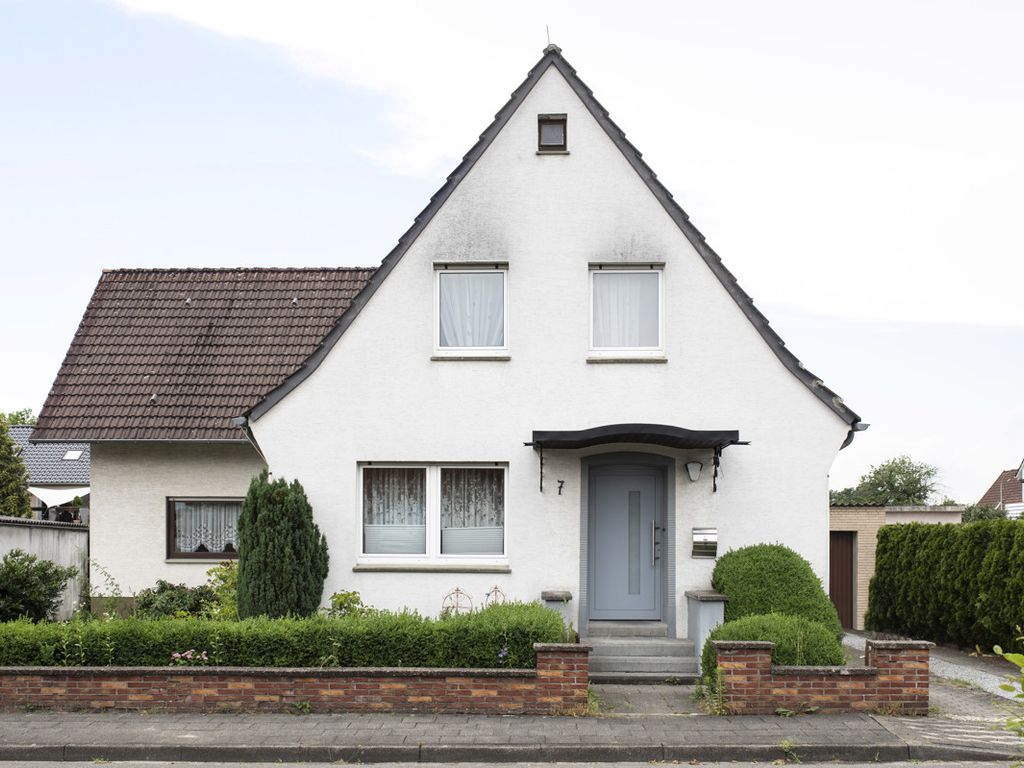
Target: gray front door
[{"x": 625, "y": 542}]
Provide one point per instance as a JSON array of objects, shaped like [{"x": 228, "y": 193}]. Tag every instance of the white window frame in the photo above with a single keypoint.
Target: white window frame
[
  {"x": 463, "y": 268},
  {"x": 624, "y": 352},
  {"x": 432, "y": 517}
]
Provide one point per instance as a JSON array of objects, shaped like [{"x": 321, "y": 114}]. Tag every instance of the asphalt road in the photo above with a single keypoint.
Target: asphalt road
[{"x": 135, "y": 764}]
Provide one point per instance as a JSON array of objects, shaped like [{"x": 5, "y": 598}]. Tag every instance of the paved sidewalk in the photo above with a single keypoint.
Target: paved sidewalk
[{"x": 460, "y": 738}]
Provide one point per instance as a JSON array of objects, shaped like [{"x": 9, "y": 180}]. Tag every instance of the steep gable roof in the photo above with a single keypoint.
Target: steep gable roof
[
  {"x": 1007, "y": 489},
  {"x": 46, "y": 462},
  {"x": 553, "y": 58},
  {"x": 175, "y": 354}
]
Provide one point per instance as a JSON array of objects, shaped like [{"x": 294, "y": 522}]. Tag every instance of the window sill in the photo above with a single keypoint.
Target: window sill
[
  {"x": 212, "y": 559},
  {"x": 428, "y": 568},
  {"x": 464, "y": 357},
  {"x": 627, "y": 359},
  {"x": 552, "y": 151}
]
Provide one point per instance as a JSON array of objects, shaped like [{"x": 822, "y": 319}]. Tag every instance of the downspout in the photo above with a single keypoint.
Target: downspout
[
  {"x": 857, "y": 426},
  {"x": 243, "y": 423}
]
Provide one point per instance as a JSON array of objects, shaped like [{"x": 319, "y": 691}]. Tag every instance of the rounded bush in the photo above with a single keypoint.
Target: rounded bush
[
  {"x": 798, "y": 641},
  {"x": 771, "y": 578},
  {"x": 174, "y": 600}
]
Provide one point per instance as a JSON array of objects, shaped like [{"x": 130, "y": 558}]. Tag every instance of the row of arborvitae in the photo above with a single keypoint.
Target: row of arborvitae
[
  {"x": 960, "y": 584},
  {"x": 774, "y": 596},
  {"x": 497, "y": 636}
]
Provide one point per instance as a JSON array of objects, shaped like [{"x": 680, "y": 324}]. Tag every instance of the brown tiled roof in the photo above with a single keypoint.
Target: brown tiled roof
[
  {"x": 1007, "y": 489},
  {"x": 175, "y": 354}
]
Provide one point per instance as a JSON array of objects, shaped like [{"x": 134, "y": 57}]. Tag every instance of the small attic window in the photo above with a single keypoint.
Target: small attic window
[
  {"x": 72, "y": 456},
  {"x": 551, "y": 133}
]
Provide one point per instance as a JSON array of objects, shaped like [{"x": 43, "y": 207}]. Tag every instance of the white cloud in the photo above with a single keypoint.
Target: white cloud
[{"x": 859, "y": 161}]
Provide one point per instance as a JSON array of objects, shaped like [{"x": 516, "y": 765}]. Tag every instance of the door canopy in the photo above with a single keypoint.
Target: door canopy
[{"x": 645, "y": 434}]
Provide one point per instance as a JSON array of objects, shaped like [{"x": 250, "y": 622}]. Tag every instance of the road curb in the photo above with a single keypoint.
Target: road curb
[{"x": 501, "y": 753}]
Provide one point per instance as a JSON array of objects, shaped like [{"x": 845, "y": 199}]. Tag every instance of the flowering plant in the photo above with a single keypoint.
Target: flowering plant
[{"x": 189, "y": 658}]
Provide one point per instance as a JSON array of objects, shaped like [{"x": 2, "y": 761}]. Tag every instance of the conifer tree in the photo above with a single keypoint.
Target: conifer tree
[
  {"x": 14, "y": 498},
  {"x": 282, "y": 556}
]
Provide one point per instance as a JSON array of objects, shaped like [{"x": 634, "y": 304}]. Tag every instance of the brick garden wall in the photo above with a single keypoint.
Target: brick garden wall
[
  {"x": 557, "y": 686},
  {"x": 894, "y": 680}
]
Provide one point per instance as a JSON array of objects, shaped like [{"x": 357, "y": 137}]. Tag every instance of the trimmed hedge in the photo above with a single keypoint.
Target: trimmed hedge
[
  {"x": 949, "y": 583},
  {"x": 771, "y": 578},
  {"x": 375, "y": 640},
  {"x": 798, "y": 641}
]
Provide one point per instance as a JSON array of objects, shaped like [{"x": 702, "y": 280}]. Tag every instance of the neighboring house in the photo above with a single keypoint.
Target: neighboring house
[
  {"x": 1007, "y": 492},
  {"x": 552, "y": 383},
  {"x": 852, "y": 539},
  {"x": 58, "y": 472}
]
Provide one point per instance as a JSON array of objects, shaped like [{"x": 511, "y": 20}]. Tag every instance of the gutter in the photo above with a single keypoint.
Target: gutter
[
  {"x": 857, "y": 426},
  {"x": 243, "y": 423}
]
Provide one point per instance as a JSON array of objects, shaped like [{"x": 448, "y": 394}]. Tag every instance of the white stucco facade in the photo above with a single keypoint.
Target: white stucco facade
[
  {"x": 380, "y": 397},
  {"x": 131, "y": 483}
]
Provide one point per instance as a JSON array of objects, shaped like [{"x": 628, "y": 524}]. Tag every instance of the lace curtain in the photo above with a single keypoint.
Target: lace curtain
[
  {"x": 394, "y": 496},
  {"x": 394, "y": 510},
  {"x": 626, "y": 310},
  {"x": 206, "y": 526},
  {"x": 472, "y": 309},
  {"x": 472, "y": 497}
]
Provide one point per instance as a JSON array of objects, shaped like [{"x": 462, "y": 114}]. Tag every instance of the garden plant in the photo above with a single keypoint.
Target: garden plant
[{"x": 282, "y": 554}]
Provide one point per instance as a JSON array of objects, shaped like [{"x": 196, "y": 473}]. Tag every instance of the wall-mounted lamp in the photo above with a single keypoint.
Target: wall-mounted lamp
[{"x": 693, "y": 469}]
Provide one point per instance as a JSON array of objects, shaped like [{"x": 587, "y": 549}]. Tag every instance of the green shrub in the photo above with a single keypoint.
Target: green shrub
[
  {"x": 961, "y": 584},
  {"x": 771, "y": 578},
  {"x": 282, "y": 554},
  {"x": 223, "y": 580},
  {"x": 501, "y": 635},
  {"x": 798, "y": 641},
  {"x": 14, "y": 497},
  {"x": 346, "y": 604},
  {"x": 173, "y": 600},
  {"x": 31, "y": 587}
]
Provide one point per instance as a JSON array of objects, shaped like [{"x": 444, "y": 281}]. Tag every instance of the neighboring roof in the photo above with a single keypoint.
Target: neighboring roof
[
  {"x": 175, "y": 354},
  {"x": 553, "y": 58},
  {"x": 46, "y": 463},
  {"x": 1007, "y": 489},
  {"x": 648, "y": 434}
]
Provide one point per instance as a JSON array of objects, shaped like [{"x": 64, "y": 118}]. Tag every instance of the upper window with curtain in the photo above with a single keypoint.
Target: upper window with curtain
[
  {"x": 471, "y": 313},
  {"x": 626, "y": 310}
]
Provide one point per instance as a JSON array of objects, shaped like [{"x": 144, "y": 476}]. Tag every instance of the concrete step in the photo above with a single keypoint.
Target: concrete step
[
  {"x": 643, "y": 678},
  {"x": 663, "y": 665},
  {"x": 640, "y": 646},
  {"x": 627, "y": 629}
]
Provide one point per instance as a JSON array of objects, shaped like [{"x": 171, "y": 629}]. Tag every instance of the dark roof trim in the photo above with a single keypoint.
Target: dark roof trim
[
  {"x": 648, "y": 434},
  {"x": 190, "y": 441},
  {"x": 405, "y": 241},
  {"x": 553, "y": 57},
  {"x": 712, "y": 259}
]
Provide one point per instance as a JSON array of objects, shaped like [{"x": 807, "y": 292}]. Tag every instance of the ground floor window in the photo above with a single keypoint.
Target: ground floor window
[
  {"x": 433, "y": 510},
  {"x": 202, "y": 528}
]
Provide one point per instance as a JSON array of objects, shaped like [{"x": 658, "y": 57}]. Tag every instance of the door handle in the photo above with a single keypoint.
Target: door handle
[{"x": 654, "y": 544}]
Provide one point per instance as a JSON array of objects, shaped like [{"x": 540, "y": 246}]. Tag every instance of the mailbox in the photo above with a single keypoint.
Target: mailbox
[{"x": 705, "y": 542}]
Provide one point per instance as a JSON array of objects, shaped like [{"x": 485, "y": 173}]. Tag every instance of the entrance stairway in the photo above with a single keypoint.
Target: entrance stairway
[{"x": 639, "y": 652}]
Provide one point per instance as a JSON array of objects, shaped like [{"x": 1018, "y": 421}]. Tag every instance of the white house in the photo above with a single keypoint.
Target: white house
[{"x": 552, "y": 384}]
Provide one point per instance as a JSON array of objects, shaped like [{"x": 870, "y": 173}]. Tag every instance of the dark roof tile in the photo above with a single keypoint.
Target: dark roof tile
[
  {"x": 46, "y": 463},
  {"x": 175, "y": 354},
  {"x": 1007, "y": 489}
]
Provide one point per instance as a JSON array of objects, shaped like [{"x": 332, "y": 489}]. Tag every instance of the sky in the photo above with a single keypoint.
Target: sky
[{"x": 857, "y": 166}]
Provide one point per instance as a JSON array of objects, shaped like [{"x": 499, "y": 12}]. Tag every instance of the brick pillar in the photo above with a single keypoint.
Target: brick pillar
[
  {"x": 745, "y": 669},
  {"x": 563, "y": 672},
  {"x": 902, "y": 674}
]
